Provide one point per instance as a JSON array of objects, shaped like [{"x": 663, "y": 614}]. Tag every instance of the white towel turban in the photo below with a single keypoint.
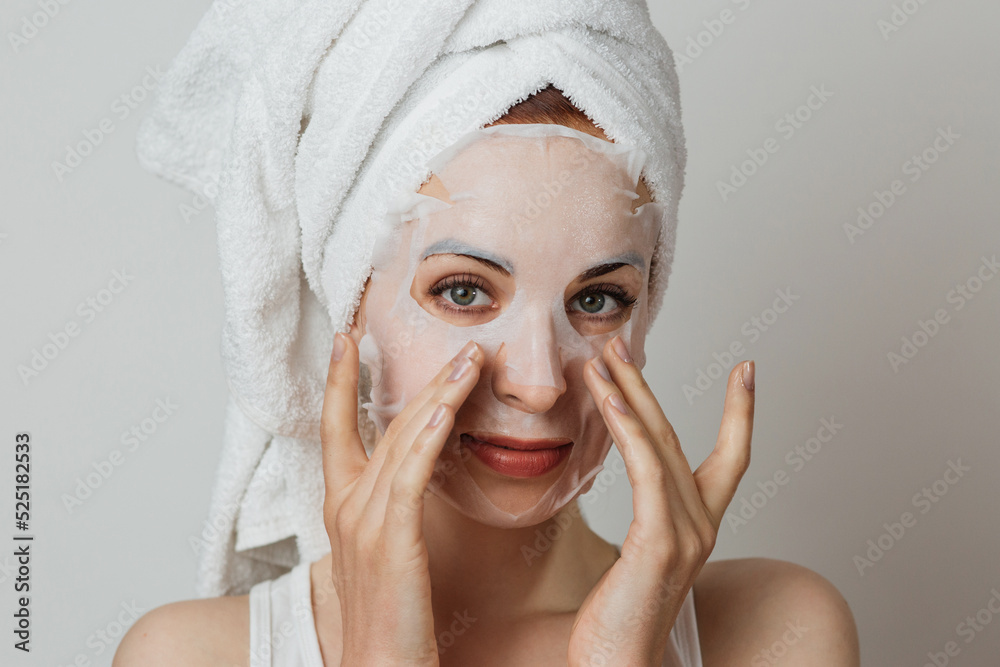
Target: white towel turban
[{"x": 302, "y": 115}]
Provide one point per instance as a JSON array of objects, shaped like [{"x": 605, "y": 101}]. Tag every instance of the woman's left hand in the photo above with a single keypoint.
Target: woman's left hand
[{"x": 627, "y": 617}]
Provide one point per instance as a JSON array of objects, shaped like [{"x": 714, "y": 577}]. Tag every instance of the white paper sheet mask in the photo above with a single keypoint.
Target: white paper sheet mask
[{"x": 546, "y": 202}]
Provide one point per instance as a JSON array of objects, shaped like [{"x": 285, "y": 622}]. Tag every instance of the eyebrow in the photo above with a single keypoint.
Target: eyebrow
[
  {"x": 505, "y": 267},
  {"x": 456, "y": 247}
]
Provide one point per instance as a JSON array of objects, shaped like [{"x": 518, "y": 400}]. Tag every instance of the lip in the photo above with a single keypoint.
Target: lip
[
  {"x": 521, "y": 444},
  {"x": 516, "y": 457}
]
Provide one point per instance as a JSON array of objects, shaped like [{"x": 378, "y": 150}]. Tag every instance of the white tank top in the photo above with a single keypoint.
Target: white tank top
[{"x": 283, "y": 630}]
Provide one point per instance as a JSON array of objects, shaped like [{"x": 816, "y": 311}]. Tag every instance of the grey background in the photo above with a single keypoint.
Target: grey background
[{"x": 826, "y": 357}]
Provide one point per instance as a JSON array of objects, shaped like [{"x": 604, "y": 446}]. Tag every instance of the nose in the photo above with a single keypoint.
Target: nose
[{"x": 528, "y": 371}]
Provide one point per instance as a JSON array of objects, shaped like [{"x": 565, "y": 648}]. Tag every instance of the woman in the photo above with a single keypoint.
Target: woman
[{"x": 413, "y": 580}]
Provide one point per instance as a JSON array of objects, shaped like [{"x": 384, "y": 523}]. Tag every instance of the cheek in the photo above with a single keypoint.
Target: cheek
[{"x": 401, "y": 352}]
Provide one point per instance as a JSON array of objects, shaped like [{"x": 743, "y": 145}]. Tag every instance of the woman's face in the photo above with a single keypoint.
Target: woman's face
[{"x": 531, "y": 247}]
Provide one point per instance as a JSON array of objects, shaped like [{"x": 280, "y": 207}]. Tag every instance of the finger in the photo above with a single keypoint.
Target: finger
[
  {"x": 654, "y": 490},
  {"x": 344, "y": 456},
  {"x": 452, "y": 389},
  {"x": 720, "y": 474},
  {"x": 425, "y": 394},
  {"x": 368, "y": 477},
  {"x": 405, "y": 504},
  {"x": 451, "y": 386},
  {"x": 639, "y": 396}
]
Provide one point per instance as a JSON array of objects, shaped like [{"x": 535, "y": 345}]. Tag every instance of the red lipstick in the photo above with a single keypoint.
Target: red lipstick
[{"x": 516, "y": 457}]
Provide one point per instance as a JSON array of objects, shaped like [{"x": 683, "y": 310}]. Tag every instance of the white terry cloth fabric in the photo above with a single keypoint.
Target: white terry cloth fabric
[
  {"x": 296, "y": 118},
  {"x": 283, "y": 627}
]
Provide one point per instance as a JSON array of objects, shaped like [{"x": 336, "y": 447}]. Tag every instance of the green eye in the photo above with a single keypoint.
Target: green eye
[
  {"x": 592, "y": 303},
  {"x": 603, "y": 301},
  {"x": 462, "y": 295}
]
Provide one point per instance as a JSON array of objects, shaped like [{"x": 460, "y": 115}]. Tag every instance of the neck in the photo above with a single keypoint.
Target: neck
[{"x": 548, "y": 568}]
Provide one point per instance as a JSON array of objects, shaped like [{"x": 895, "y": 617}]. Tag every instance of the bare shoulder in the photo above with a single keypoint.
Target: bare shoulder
[
  {"x": 210, "y": 631},
  {"x": 762, "y": 612}
]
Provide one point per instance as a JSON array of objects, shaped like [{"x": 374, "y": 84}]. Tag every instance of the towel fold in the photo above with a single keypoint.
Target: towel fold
[{"x": 296, "y": 118}]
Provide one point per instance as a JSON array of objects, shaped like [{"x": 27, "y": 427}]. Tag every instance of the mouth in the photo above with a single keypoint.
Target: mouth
[
  {"x": 517, "y": 457},
  {"x": 519, "y": 444}
]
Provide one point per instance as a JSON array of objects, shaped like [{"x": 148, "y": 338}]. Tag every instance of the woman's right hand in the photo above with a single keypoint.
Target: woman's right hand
[{"x": 373, "y": 509}]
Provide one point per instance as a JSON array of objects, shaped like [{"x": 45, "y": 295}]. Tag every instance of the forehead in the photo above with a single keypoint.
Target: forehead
[
  {"x": 547, "y": 172},
  {"x": 523, "y": 196}
]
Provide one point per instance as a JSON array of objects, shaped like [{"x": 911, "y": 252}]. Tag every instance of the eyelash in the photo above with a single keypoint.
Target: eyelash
[
  {"x": 463, "y": 280},
  {"x": 622, "y": 297}
]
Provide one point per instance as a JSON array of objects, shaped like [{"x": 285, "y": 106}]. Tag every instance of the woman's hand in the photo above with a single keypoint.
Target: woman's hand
[
  {"x": 373, "y": 509},
  {"x": 627, "y": 618}
]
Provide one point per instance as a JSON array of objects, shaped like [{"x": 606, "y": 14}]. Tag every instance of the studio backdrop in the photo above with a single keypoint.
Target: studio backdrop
[{"x": 839, "y": 225}]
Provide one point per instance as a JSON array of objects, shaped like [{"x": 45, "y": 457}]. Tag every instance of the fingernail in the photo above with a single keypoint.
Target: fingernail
[
  {"x": 747, "y": 375},
  {"x": 602, "y": 368},
  {"x": 437, "y": 416},
  {"x": 618, "y": 404},
  {"x": 621, "y": 350},
  {"x": 463, "y": 367},
  {"x": 466, "y": 351},
  {"x": 338, "y": 346}
]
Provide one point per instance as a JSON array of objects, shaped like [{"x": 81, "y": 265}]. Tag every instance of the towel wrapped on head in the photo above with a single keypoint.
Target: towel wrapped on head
[{"x": 302, "y": 115}]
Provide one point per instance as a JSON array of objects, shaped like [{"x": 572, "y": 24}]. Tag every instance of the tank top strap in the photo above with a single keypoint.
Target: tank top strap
[
  {"x": 684, "y": 647},
  {"x": 282, "y": 625},
  {"x": 260, "y": 624}
]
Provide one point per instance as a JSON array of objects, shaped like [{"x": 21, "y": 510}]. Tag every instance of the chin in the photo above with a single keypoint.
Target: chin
[{"x": 508, "y": 502}]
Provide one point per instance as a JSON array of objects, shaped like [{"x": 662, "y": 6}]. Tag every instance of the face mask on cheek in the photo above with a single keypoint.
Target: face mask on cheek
[{"x": 547, "y": 203}]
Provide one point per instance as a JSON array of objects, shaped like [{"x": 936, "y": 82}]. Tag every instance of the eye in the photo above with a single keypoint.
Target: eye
[
  {"x": 464, "y": 294},
  {"x": 604, "y": 302}
]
